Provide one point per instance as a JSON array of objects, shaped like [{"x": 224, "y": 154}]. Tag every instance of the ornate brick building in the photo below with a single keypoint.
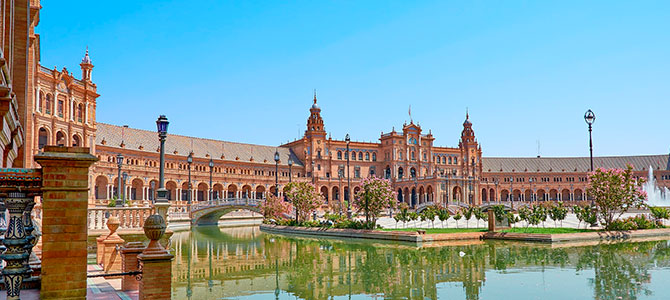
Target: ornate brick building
[{"x": 43, "y": 106}]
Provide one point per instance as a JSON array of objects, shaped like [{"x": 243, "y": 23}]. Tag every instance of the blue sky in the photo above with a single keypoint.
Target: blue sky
[{"x": 244, "y": 71}]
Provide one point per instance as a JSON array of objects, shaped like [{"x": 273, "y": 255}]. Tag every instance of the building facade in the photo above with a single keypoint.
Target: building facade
[{"x": 42, "y": 106}]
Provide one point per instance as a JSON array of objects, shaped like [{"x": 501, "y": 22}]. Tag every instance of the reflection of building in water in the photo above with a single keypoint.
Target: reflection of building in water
[{"x": 240, "y": 261}]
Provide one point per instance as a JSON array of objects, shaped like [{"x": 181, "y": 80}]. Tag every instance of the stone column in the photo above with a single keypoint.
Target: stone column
[
  {"x": 156, "y": 262},
  {"x": 64, "y": 221}
]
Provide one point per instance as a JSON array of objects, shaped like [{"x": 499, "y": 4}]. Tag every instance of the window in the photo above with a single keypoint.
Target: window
[
  {"x": 357, "y": 172},
  {"x": 413, "y": 158},
  {"x": 60, "y": 108},
  {"x": 399, "y": 155},
  {"x": 339, "y": 154},
  {"x": 80, "y": 112},
  {"x": 49, "y": 103},
  {"x": 400, "y": 173},
  {"x": 346, "y": 155},
  {"x": 444, "y": 160},
  {"x": 360, "y": 155},
  {"x": 372, "y": 171},
  {"x": 367, "y": 156},
  {"x": 412, "y": 172},
  {"x": 353, "y": 155},
  {"x": 318, "y": 167},
  {"x": 424, "y": 156},
  {"x": 374, "y": 156}
]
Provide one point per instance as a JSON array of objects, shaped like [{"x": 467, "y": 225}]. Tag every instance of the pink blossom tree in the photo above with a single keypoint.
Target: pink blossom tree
[
  {"x": 304, "y": 197},
  {"x": 614, "y": 192},
  {"x": 375, "y": 195},
  {"x": 275, "y": 208}
]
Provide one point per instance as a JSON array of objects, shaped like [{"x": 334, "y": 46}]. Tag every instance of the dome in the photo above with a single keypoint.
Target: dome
[
  {"x": 86, "y": 59},
  {"x": 315, "y": 106}
]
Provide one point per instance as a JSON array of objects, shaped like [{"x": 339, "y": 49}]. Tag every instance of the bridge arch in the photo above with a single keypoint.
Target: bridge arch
[{"x": 209, "y": 212}]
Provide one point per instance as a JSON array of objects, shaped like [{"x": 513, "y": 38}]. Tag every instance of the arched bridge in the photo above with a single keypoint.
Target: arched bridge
[{"x": 209, "y": 212}]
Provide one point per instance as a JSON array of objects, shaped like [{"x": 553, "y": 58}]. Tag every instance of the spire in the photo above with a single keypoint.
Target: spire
[
  {"x": 86, "y": 67},
  {"x": 314, "y": 96},
  {"x": 467, "y": 115}
]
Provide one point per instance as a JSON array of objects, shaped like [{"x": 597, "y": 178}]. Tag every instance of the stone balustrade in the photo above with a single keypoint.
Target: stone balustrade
[{"x": 129, "y": 217}]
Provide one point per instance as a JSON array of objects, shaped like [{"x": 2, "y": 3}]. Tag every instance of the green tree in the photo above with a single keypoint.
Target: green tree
[
  {"x": 467, "y": 213},
  {"x": 558, "y": 213},
  {"x": 457, "y": 217}
]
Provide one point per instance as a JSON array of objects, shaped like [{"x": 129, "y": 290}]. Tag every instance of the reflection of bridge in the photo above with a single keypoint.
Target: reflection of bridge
[{"x": 209, "y": 212}]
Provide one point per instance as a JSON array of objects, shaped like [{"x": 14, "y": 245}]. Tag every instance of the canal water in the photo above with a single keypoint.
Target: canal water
[{"x": 245, "y": 263}]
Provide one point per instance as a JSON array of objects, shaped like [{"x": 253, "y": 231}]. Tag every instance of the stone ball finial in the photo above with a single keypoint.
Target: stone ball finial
[{"x": 154, "y": 227}]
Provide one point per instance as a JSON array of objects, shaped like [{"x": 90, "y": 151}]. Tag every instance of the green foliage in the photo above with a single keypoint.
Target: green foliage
[
  {"x": 499, "y": 212},
  {"x": 457, "y": 217},
  {"x": 429, "y": 214},
  {"x": 467, "y": 214},
  {"x": 660, "y": 213},
  {"x": 413, "y": 216},
  {"x": 443, "y": 215},
  {"x": 558, "y": 213},
  {"x": 112, "y": 202},
  {"x": 588, "y": 215},
  {"x": 511, "y": 218},
  {"x": 633, "y": 223}
]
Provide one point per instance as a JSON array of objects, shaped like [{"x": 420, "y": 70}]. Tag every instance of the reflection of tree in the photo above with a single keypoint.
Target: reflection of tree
[
  {"x": 621, "y": 270},
  {"x": 319, "y": 269}
]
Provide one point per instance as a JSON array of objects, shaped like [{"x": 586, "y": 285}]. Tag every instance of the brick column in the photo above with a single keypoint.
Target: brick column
[
  {"x": 64, "y": 221},
  {"x": 156, "y": 262},
  {"x": 130, "y": 263}
]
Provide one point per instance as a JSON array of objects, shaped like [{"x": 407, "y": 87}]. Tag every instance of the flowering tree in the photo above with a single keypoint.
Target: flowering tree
[
  {"x": 275, "y": 208},
  {"x": 375, "y": 195},
  {"x": 304, "y": 197},
  {"x": 614, "y": 192}
]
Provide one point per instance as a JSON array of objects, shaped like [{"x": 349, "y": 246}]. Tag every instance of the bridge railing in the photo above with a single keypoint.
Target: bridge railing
[{"x": 225, "y": 202}]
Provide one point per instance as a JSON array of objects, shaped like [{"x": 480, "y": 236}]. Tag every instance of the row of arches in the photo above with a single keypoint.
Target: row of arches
[
  {"x": 45, "y": 138},
  {"x": 539, "y": 195},
  {"x": 137, "y": 189}
]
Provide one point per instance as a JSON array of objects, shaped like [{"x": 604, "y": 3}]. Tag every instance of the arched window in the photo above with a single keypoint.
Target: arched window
[
  {"x": 444, "y": 160},
  {"x": 60, "y": 139},
  {"x": 360, "y": 155},
  {"x": 339, "y": 154},
  {"x": 387, "y": 172},
  {"x": 43, "y": 138},
  {"x": 449, "y": 160},
  {"x": 399, "y": 155},
  {"x": 412, "y": 173},
  {"x": 76, "y": 142},
  {"x": 353, "y": 155},
  {"x": 374, "y": 156},
  {"x": 400, "y": 173},
  {"x": 413, "y": 155},
  {"x": 40, "y": 102}
]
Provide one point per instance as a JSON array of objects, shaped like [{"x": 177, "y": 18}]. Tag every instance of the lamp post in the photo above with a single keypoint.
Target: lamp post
[
  {"x": 211, "y": 168},
  {"x": 161, "y": 202},
  {"x": 290, "y": 164},
  {"x": 532, "y": 191},
  {"x": 124, "y": 175},
  {"x": 511, "y": 192},
  {"x": 276, "y": 173},
  {"x": 189, "y": 161},
  {"x": 447, "y": 202},
  {"x": 348, "y": 140},
  {"x": 590, "y": 117},
  {"x": 119, "y": 163}
]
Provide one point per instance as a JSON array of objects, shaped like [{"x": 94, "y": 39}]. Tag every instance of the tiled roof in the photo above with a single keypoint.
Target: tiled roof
[
  {"x": 569, "y": 164},
  {"x": 134, "y": 138}
]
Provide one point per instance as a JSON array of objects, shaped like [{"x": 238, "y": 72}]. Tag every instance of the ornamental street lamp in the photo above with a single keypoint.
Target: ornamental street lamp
[
  {"x": 447, "y": 202},
  {"x": 162, "y": 126},
  {"x": 530, "y": 180},
  {"x": 277, "y": 174},
  {"x": 348, "y": 140},
  {"x": 189, "y": 161},
  {"x": 162, "y": 205},
  {"x": 511, "y": 192},
  {"x": 590, "y": 117},
  {"x": 211, "y": 168},
  {"x": 119, "y": 162},
  {"x": 290, "y": 164}
]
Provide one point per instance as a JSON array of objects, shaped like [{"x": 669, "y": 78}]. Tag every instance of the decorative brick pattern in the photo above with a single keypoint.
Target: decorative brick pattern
[{"x": 64, "y": 221}]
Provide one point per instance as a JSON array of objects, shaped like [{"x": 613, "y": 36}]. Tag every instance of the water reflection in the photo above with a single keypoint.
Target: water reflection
[{"x": 243, "y": 262}]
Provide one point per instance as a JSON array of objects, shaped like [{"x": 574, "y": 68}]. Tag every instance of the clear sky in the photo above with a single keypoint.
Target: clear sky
[{"x": 244, "y": 70}]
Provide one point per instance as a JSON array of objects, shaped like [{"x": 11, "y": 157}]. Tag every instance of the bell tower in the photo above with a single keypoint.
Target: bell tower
[
  {"x": 471, "y": 154},
  {"x": 315, "y": 142},
  {"x": 86, "y": 67}
]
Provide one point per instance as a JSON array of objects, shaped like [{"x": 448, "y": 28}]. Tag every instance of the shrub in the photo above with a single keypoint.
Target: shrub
[
  {"x": 633, "y": 223},
  {"x": 112, "y": 202},
  {"x": 558, "y": 213},
  {"x": 457, "y": 217},
  {"x": 467, "y": 213},
  {"x": 660, "y": 213}
]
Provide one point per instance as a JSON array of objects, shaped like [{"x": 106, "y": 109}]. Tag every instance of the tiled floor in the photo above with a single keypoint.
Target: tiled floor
[{"x": 100, "y": 288}]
